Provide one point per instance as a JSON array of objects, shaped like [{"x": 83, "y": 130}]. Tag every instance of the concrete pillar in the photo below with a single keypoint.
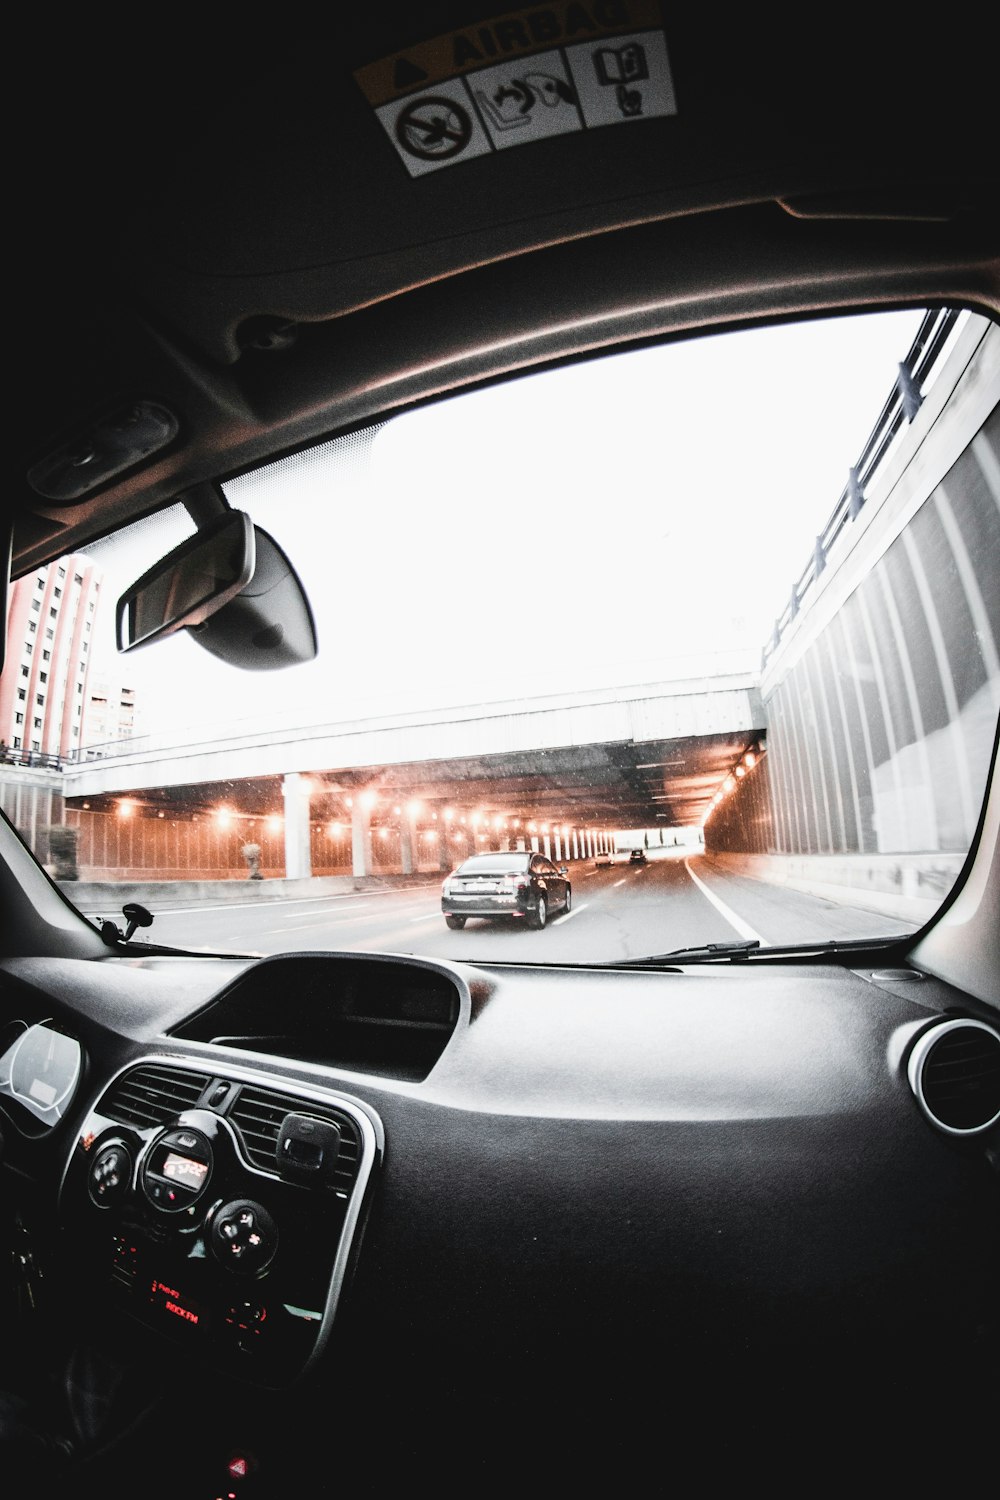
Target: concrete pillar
[
  {"x": 295, "y": 789},
  {"x": 546, "y": 846},
  {"x": 576, "y": 845},
  {"x": 408, "y": 849},
  {"x": 534, "y": 843},
  {"x": 361, "y": 837}
]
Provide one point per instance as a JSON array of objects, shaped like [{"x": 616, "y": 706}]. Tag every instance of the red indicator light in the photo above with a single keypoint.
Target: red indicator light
[{"x": 238, "y": 1467}]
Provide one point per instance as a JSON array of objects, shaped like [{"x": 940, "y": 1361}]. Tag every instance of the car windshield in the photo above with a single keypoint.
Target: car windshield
[{"x": 791, "y": 714}]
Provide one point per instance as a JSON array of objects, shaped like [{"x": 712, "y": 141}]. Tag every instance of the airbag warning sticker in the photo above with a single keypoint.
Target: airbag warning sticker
[{"x": 520, "y": 78}]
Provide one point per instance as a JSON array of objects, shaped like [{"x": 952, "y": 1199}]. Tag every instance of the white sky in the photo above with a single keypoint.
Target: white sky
[{"x": 625, "y": 519}]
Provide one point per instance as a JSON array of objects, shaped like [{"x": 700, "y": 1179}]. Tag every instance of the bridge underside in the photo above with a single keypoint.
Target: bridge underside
[{"x": 621, "y": 784}]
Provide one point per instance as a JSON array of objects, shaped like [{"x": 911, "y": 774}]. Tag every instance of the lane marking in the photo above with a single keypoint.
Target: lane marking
[
  {"x": 215, "y": 906},
  {"x": 743, "y": 928},
  {"x": 620, "y": 882},
  {"x": 566, "y": 915},
  {"x": 429, "y": 918}
]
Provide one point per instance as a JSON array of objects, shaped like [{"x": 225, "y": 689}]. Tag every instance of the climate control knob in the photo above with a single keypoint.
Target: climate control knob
[
  {"x": 244, "y": 1236},
  {"x": 109, "y": 1176}
]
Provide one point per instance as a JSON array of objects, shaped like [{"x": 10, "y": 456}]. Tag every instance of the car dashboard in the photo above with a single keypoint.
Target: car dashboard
[{"x": 450, "y": 1186}]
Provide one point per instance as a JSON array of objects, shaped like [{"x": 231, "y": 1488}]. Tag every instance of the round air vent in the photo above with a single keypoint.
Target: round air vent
[{"x": 954, "y": 1070}]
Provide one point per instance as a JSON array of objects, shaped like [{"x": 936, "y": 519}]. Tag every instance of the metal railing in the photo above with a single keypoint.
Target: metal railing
[{"x": 902, "y": 405}]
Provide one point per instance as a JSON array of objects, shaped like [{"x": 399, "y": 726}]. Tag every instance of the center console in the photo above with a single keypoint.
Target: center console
[{"x": 219, "y": 1211}]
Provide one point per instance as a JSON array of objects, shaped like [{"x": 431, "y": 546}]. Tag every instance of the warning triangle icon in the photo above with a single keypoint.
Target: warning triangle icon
[{"x": 407, "y": 74}]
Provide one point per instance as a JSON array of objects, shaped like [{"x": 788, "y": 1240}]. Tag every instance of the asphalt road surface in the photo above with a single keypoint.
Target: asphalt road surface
[{"x": 627, "y": 911}]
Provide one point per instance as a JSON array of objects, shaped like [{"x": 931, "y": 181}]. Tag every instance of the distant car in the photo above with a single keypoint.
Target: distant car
[
  {"x": 637, "y": 857},
  {"x": 522, "y": 884},
  {"x": 606, "y": 857}
]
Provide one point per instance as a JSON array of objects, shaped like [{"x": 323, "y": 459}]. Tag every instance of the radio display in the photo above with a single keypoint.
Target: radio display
[
  {"x": 185, "y": 1170},
  {"x": 168, "y": 1299}
]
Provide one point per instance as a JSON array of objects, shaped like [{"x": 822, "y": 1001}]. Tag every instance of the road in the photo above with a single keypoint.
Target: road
[{"x": 627, "y": 911}]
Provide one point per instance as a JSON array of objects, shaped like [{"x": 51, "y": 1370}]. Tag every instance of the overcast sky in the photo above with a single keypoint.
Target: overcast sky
[{"x": 626, "y": 519}]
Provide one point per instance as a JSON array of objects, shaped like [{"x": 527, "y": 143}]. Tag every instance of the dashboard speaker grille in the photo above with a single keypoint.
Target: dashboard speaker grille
[
  {"x": 152, "y": 1095},
  {"x": 258, "y": 1115},
  {"x": 955, "y": 1073}
]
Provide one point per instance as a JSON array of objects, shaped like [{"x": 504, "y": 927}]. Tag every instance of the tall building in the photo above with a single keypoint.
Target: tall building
[
  {"x": 110, "y": 713},
  {"x": 43, "y": 689}
]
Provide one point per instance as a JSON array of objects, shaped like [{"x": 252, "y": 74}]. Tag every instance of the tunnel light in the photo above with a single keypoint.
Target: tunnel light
[
  {"x": 741, "y": 771},
  {"x": 368, "y": 800},
  {"x": 223, "y": 816},
  {"x": 729, "y": 783},
  {"x": 750, "y": 759},
  {"x": 126, "y": 808},
  {"x": 333, "y": 829},
  {"x": 545, "y": 827},
  {"x": 349, "y": 801},
  {"x": 397, "y": 811},
  {"x": 449, "y": 813},
  {"x": 532, "y": 828},
  {"x": 274, "y": 823}
]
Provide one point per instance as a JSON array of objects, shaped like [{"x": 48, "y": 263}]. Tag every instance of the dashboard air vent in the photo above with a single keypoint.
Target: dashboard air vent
[
  {"x": 152, "y": 1095},
  {"x": 258, "y": 1115},
  {"x": 954, "y": 1070}
]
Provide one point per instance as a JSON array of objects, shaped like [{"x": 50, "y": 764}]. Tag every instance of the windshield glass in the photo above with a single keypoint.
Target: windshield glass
[{"x": 731, "y": 601}]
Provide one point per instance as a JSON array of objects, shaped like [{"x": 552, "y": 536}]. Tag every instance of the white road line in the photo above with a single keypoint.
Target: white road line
[
  {"x": 184, "y": 911},
  {"x": 620, "y": 882},
  {"x": 743, "y": 928},
  {"x": 429, "y": 918},
  {"x": 572, "y": 912}
]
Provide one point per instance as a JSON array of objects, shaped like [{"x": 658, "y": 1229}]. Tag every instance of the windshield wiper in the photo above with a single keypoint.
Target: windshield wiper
[{"x": 750, "y": 949}]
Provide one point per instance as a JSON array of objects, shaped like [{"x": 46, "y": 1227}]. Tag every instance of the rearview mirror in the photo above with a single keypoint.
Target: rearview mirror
[{"x": 190, "y": 584}]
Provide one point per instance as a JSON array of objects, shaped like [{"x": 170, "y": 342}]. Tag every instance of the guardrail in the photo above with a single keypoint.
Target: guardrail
[{"x": 902, "y": 405}]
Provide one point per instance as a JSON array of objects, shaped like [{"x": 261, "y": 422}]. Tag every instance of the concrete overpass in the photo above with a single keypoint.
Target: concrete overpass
[{"x": 584, "y": 763}]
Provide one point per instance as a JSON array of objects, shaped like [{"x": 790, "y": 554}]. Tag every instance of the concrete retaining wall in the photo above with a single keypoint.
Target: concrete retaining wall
[{"x": 909, "y": 887}]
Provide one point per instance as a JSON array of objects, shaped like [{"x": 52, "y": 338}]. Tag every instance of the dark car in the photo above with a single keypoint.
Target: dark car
[
  {"x": 637, "y": 857},
  {"x": 521, "y": 884}
]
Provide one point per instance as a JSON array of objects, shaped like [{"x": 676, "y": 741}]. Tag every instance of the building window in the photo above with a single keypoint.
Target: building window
[
  {"x": 22, "y": 693},
  {"x": 79, "y": 687},
  {"x": 52, "y": 611},
  {"x": 46, "y": 656},
  {"x": 36, "y": 603},
  {"x": 39, "y": 699},
  {"x": 19, "y": 718},
  {"x": 32, "y": 626},
  {"x": 24, "y": 671},
  {"x": 57, "y": 592},
  {"x": 17, "y": 742},
  {"x": 76, "y": 732},
  {"x": 38, "y": 723},
  {"x": 43, "y": 676},
  {"x": 62, "y": 570},
  {"x": 28, "y": 648},
  {"x": 78, "y": 578},
  {"x": 36, "y": 744},
  {"x": 49, "y": 633}
]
